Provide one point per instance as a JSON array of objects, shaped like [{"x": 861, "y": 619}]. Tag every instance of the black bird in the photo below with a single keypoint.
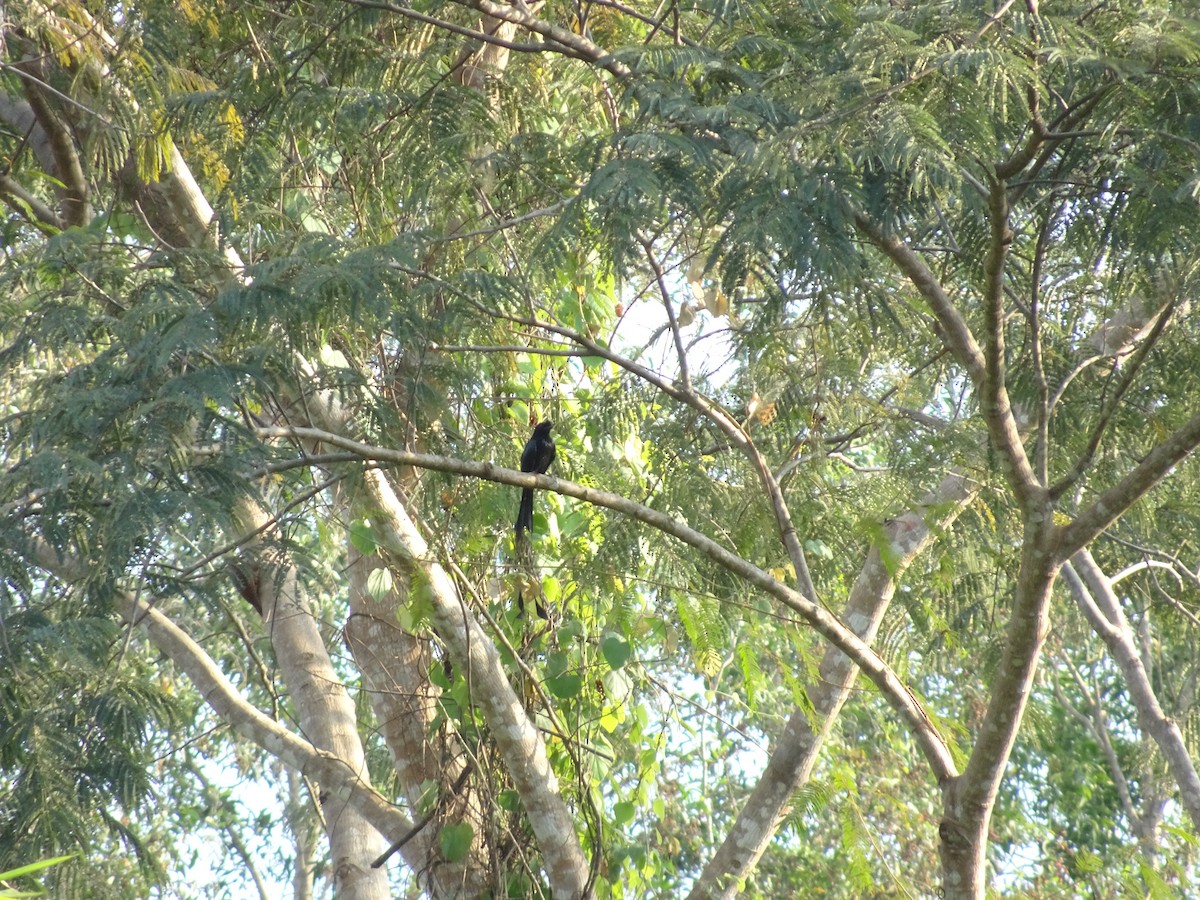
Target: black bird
[{"x": 537, "y": 456}]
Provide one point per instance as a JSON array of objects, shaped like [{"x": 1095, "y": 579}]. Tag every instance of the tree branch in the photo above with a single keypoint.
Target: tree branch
[
  {"x": 41, "y": 216},
  {"x": 708, "y": 408},
  {"x": 330, "y": 771},
  {"x": 997, "y": 412},
  {"x": 568, "y": 42},
  {"x": 795, "y": 751},
  {"x": 324, "y": 710},
  {"x": 403, "y": 547},
  {"x": 18, "y": 114},
  {"x": 1094, "y": 722},
  {"x": 68, "y": 168},
  {"x": 894, "y": 690},
  {"x": 556, "y": 39},
  {"x": 1109, "y": 408},
  {"x": 516, "y": 735},
  {"x": 985, "y": 371},
  {"x": 968, "y": 802},
  {"x": 954, "y": 331},
  {"x": 1042, "y": 459},
  {"x": 660, "y": 279},
  {"x": 473, "y": 33},
  {"x": 1094, "y": 594},
  {"x": 1113, "y": 502}
]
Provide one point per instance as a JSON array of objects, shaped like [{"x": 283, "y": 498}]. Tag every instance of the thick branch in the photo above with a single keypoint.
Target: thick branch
[
  {"x": 19, "y": 116},
  {"x": 395, "y": 669},
  {"x": 1113, "y": 502},
  {"x": 954, "y": 329},
  {"x": 968, "y": 801},
  {"x": 38, "y": 213},
  {"x": 517, "y": 737},
  {"x": 1001, "y": 424},
  {"x": 889, "y": 684},
  {"x": 177, "y": 207},
  {"x": 1094, "y": 594},
  {"x": 175, "y": 204},
  {"x": 331, "y": 772},
  {"x": 472, "y": 33},
  {"x": 555, "y": 39},
  {"x": 68, "y": 168},
  {"x": 956, "y": 334},
  {"x": 570, "y": 44},
  {"x": 323, "y": 708},
  {"x": 795, "y": 751}
]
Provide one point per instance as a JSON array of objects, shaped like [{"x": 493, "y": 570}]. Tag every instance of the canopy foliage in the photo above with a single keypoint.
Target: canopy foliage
[{"x": 832, "y": 304}]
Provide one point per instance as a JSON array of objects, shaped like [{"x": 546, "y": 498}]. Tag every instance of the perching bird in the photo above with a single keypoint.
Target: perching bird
[{"x": 537, "y": 456}]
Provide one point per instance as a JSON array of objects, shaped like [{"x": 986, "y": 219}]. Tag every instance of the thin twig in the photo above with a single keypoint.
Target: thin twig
[
  {"x": 660, "y": 278},
  {"x": 1109, "y": 409}
]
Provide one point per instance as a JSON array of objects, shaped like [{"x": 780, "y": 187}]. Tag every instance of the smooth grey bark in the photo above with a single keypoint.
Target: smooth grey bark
[
  {"x": 404, "y": 549},
  {"x": 178, "y": 207},
  {"x": 1093, "y": 592},
  {"x": 333, "y": 773},
  {"x": 797, "y": 747},
  {"x": 517, "y": 738},
  {"x": 969, "y": 799},
  {"x": 325, "y": 713},
  {"x": 395, "y": 670}
]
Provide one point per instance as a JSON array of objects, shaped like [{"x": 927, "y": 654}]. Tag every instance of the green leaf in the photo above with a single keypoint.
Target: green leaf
[
  {"x": 508, "y": 800},
  {"x": 818, "y": 549},
  {"x": 623, "y": 812},
  {"x": 455, "y": 841},
  {"x": 564, "y": 687},
  {"x": 362, "y": 537},
  {"x": 1158, "y": 888},
  {"x": 1181, "y": 833},
  {"x": 379, "y": 583},
  {"x": 13, "y": 893},
  {"x": 518, "y": 410},
  {"x": 417, "y": 612},
  {"x": 438, "y": 676},
  {"x": 616, "y": 650},
  {"x": 35, "y": 867}
]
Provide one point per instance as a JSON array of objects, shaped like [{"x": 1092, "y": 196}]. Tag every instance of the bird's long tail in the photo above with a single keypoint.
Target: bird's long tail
[{"x": 525, "y": 513}]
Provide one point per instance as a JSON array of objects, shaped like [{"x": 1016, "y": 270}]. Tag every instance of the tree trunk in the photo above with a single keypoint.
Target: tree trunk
[
  {"x": 968, "y": 800},
  {"x": 326, "y": 716},
  {"x": 791, "y": 763}
]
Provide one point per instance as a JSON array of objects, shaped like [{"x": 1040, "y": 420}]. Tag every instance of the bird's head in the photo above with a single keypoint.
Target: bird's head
[{"x": 543, "y": 428}]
